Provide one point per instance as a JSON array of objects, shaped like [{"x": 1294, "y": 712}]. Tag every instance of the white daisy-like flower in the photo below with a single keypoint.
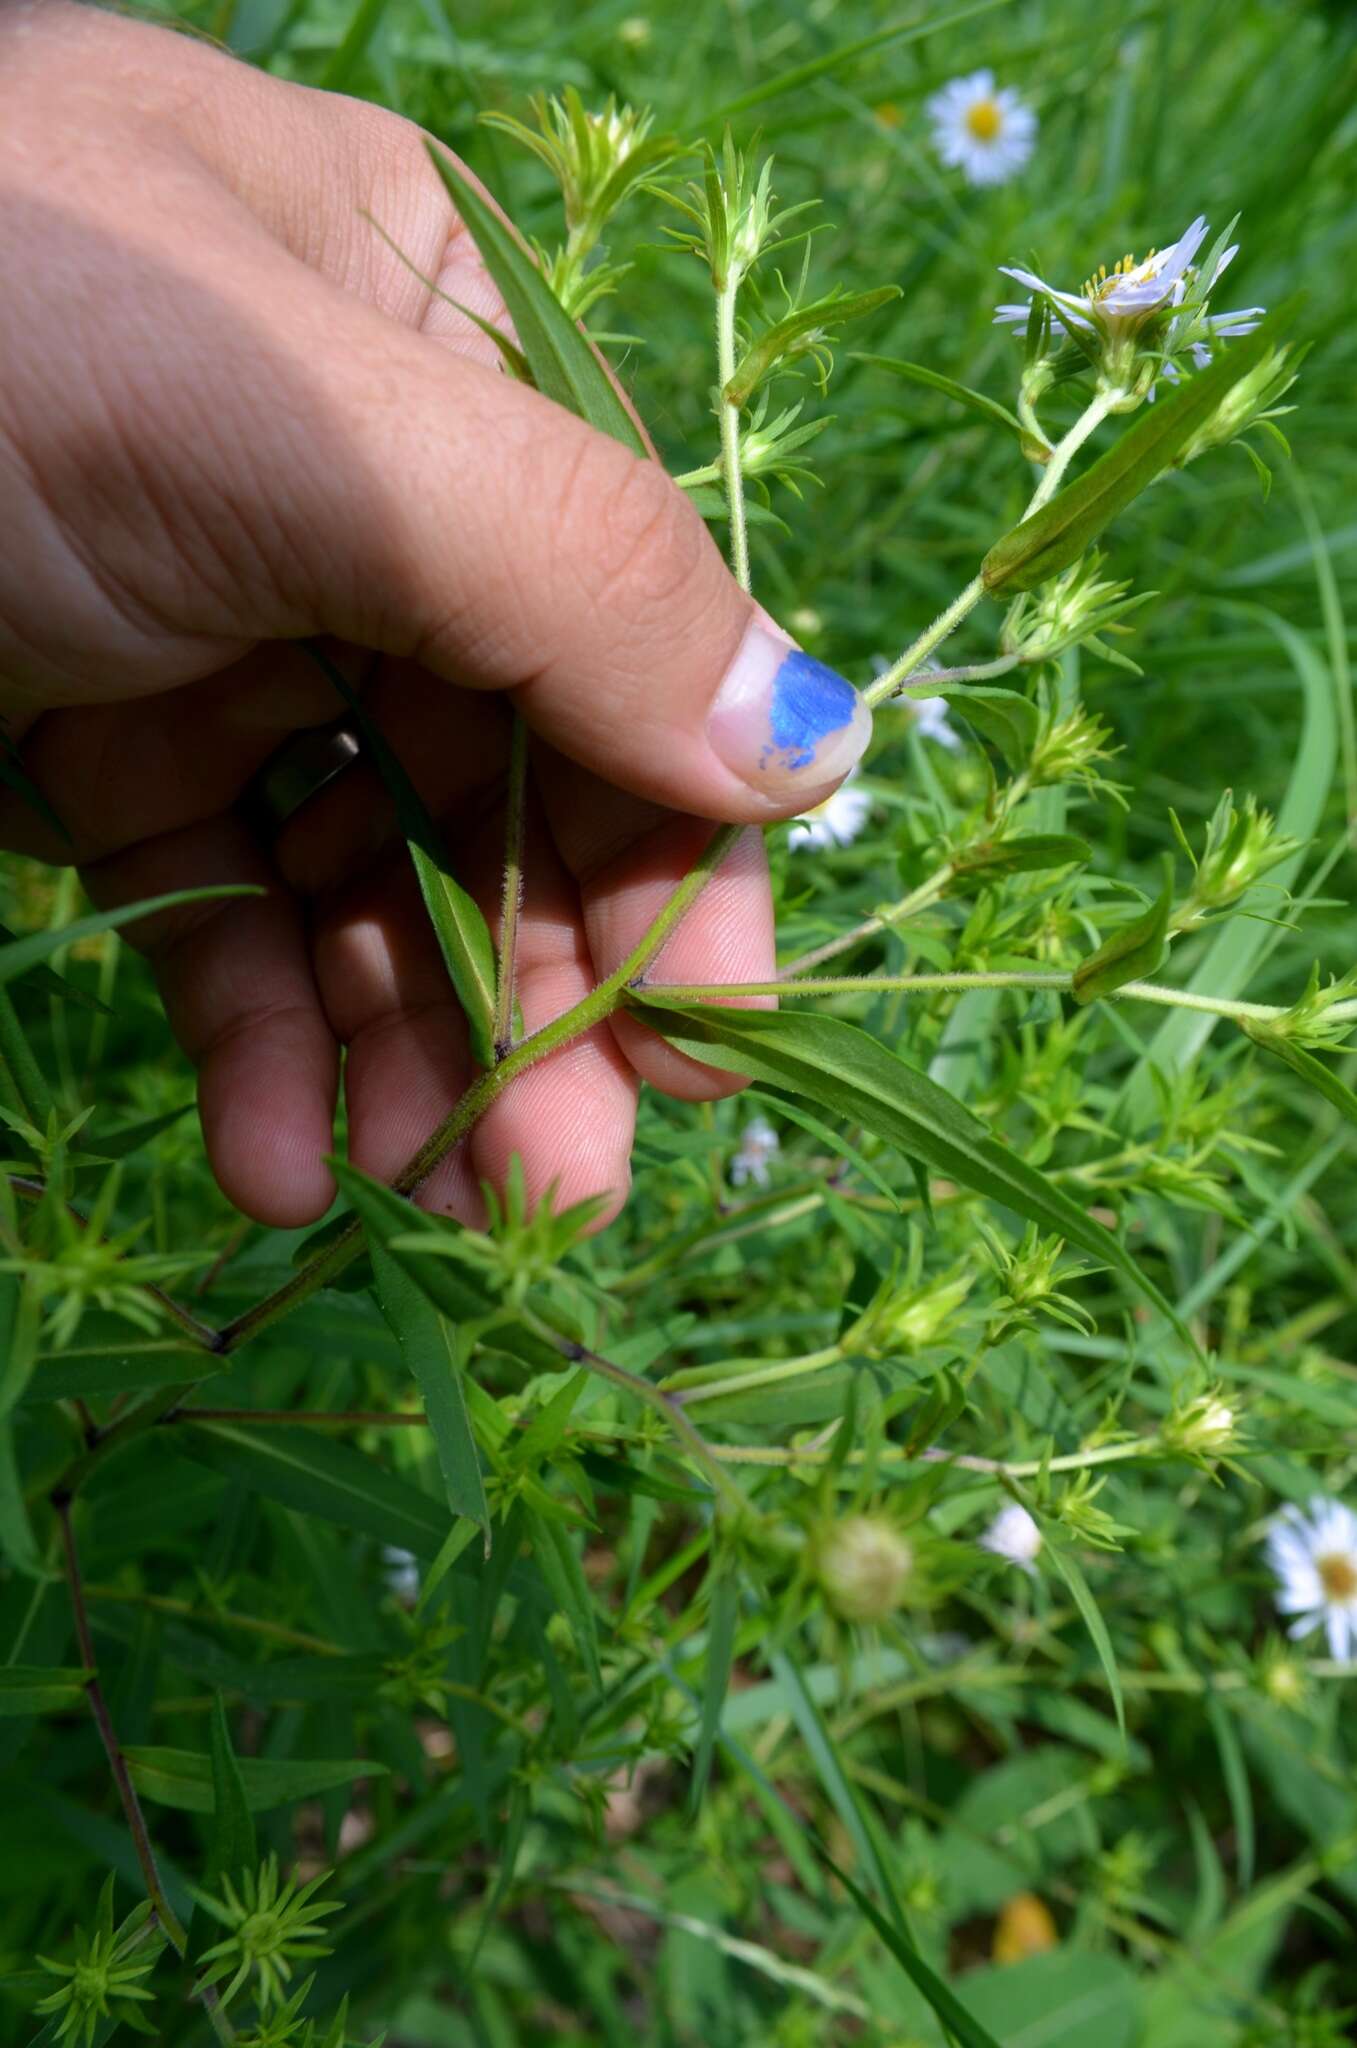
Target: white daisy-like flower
[
  {"x": 759, "y": 1146},
  {"x": 1314, "y": 1559},
  {"x": 1014, "y": 1535},
  {"x": 1117, "y": 304},
  {"x": 931, "y": 722},
  {"x": 835, "y": 822},
  {"x": 985, "y": 132},
  {"x": 400, "y": 1572}
]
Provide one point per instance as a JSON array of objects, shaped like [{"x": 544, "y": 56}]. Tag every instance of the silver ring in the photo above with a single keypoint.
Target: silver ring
[{"x": 298, "y": 770}]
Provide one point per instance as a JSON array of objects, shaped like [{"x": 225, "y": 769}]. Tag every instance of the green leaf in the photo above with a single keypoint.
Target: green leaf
[
  {"x": 723, "y": 1615},
  {"x": 1025, "y": 852},
  {"x": 1311, "y": 1069},
  {"x": 1065, "y": 1564},
  {"x": 844, "y": 1069},
  {"x": 1065, "y": 528},
  {"x": 918, "y": 373},
  {"x": 450, "y": 1284},
  {"x": 42, "y": 981},
  {"x": 961, "y": 2024},
  {"x": 127, "y": 1370},
  {"x": 835, "y": 1140},
  {"x": 1239, "y": 946},
  {"x": 1007, "y": 720},
  {"x": 183, "y": 1779},
  {"x": 233, "y": 1838},
  {"x": 1235, "y": 1773},
  {"x": 36, "y": 1689},
  {"x": 306, "y": 1470},
  {"x": 563, "y": 363},
  {"x": 459, "y": 926},
  {"x": 561, "y": 1568},
  {"x": 1130, "y": 953},
  {"x": 779, "y": 340},
  {"x": 16, "y": 1535},
  {"x": 20, "y": 955},
  {"x": 430, "y": 1353}
]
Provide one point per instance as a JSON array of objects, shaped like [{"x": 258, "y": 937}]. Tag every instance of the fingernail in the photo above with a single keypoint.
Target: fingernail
[{"x": 783, "y": 722}]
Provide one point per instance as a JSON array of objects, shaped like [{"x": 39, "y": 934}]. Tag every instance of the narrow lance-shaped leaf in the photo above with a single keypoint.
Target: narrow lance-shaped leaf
[
  {"x": 182, "y": 1778},
  {"x": 459, "y": 926},
  {"x": 430, "y": 1353},
  {"x": 1025, "y": 852},
  {"x": 723, "y": 1615},
  {"x": 1082, "y": 1596},
  {"x": 960, "y": 2024},
  {"x": 800, "y": 326},
  {"x": 233, "y": 1838},
  {"x": 844, "y": 1069},
  {"x": 563, "y": 364},
  {"x": 21, "y": 954},
  {"x": 1311, "y": 1069},
  {"x": 1008, "y": 721},
  {"x": 305, "y": 1470},
  {"x": 1062, "y": 530},
  {"x": 32, "y": 1689},
  {"x": 919, "y": 373},
  {"x": 1129, "y": 953}
]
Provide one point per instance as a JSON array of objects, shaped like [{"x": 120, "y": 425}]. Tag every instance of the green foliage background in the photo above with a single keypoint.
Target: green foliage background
[{"x": 522, "y": 1857}]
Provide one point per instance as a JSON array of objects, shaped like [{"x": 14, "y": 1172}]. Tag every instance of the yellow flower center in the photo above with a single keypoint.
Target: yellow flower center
[
  {"x": 1338, "y": 1575},
  {"x": 985, "y": 120}
]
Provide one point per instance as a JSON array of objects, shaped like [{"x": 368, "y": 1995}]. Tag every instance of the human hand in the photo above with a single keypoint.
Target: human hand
[{"x": 232, "y": 419}]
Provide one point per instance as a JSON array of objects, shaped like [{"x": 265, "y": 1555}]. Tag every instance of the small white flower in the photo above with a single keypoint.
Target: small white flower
[
  {"x": 1013, "y": 1535},
  {"x": 835, "y": 822},
  {"x": 986, "y": 134},
  {"x": 759, "y": 1146},
  {"x": 1314, "y": 1560},
  {"x": 1117, "y": 304},
  {"x": 400, "y": 1571},
  {"x": 931, "y": 722}
]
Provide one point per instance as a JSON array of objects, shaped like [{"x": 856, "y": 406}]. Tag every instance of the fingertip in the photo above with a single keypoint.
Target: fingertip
[{"x": 267, "y": 1124}]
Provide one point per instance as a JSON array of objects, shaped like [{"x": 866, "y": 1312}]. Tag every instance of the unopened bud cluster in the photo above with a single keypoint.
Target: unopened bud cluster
[
  {"x": 863, "y": 1565},
  {"x": 1242, "y": 845}
]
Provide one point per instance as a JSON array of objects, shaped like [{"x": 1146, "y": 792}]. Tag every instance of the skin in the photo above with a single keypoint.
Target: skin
[{"x": 231, "y": 418}]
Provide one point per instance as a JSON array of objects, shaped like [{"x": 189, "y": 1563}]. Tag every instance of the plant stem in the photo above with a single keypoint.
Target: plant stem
[
  {"x": 730, "y": 429},
  {"x": 512, "y": 902},
  {"x": 925, "y": 984},
  {"x": 598, "y": 1004},
  {"x": 900, "y": 1454},
  {"x": 762, "y": 1376},
  {"x": 900, "y": 671},
  {"x": 122, "y": 1777},
  {"x": 918, "y": 899},
  {"x": 966, "y": 600},
  {"x": 654, "y": 1397}
]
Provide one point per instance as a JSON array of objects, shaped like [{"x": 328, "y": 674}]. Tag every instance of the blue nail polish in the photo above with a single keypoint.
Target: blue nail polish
[{"x": 809, "y": 701}]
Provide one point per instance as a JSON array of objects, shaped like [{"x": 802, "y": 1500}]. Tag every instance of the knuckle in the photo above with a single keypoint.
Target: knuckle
[{"x": 645, "y": 542}]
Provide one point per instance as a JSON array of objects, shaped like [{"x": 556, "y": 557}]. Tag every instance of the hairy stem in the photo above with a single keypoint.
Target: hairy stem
[
  {"x": 730, "y": 429},
  {"x": 925, "y": 984},
  {"x": 918, "y": 899},
  {"x": 964, "y": 603},
  {"x": 512, "y": 902},
  {"x": 600, "y": 1003}
]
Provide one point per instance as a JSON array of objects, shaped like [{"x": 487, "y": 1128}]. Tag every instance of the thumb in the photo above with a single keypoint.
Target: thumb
[{"x": 507, "y": 545}]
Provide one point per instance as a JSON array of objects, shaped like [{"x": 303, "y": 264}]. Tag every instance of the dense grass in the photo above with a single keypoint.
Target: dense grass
[{"x": 534, "y": 1864}]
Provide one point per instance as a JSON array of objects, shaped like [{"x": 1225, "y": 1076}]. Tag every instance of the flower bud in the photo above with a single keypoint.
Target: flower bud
[
  {"x": 1206, "y": 1427},
  {"x": 1070, "y": 610},
  {"x": 1241, "y": 846},
  {"x": 863, "y": 1564},
  {"x": 905, "y": 1321}
]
